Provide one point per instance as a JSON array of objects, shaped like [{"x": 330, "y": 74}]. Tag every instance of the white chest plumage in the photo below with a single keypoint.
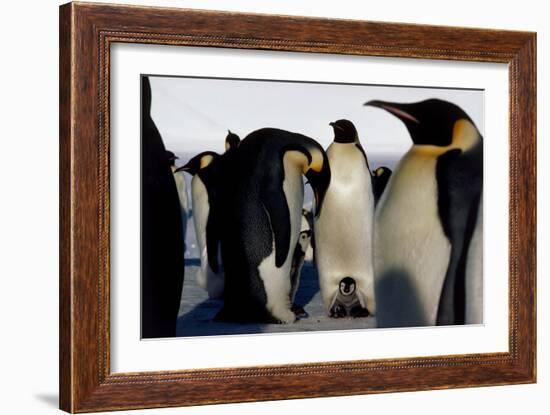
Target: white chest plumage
[
  {"x": 344, "y": 229},
  {"x": 182, "y": 195},
  {"x": 411, "y": 249},
  {"x": 206, "y": 277},
  {"x": 474, "y": 273}
]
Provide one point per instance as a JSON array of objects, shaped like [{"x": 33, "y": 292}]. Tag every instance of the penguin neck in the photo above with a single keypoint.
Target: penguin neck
[
  {"x": 317, "y": 159},
  {"x": 294, "y": 162},
  {"x": 346, "y": 140},
  {"x": 465, "y": 135}
]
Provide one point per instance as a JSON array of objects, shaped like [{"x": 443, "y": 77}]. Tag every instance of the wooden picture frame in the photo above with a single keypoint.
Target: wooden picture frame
[{"x": 86, "y": 33}]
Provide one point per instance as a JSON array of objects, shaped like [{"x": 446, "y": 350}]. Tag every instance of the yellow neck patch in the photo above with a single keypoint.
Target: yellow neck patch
[
  {"x": 206, "y": 160},
  {"x": 465, "y": 136}
]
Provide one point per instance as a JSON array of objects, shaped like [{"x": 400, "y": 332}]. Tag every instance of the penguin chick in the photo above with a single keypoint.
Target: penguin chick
[
  {"x": 346, "y": 302},
  {"x": 298, "y": 261}
]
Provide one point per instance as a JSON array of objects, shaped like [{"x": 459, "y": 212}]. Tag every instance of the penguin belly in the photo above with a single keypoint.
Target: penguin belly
[
  {"x": 344, "y": 229},
  {"x": 182, "y": 195},
  {"x": 474, "y": 273},
  {"x": 207, "y": 279},
  {"x": 411, "y": 251},
  {"x": 277, "y": 281}
]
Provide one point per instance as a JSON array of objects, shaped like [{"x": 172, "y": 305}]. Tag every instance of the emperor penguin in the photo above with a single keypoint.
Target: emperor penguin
[
  {"x": 232, "y": 140},
  {"x": 261, "y": 219},
  {"x": 162, "y": 261},
  {"x": 346, "y": 300},
  {"x": 182, "y": 192},
  {"x": 344, "y": 228},
  {"x": 203, "y": 188},
  {"x": 380, "y": 178},
  {"x": 426, "y": 218}
]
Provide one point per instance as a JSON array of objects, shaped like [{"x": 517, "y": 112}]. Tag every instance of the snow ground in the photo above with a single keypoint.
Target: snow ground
[{"x": 197, "y": 310}]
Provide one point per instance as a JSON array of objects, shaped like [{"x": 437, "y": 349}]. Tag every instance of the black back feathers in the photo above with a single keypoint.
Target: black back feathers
[{"x": 162, "y": 240}]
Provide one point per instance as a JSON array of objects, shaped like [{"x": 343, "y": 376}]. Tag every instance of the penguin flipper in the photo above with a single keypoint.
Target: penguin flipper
[
  {"x": 460, "y": 178},
  {"x": 274, "y": 201}
]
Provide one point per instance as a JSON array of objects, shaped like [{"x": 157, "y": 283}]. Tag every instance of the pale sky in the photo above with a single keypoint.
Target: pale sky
[{"x": 194, "y": 114}]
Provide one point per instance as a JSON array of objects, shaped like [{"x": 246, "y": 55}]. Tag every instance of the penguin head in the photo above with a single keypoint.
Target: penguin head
[
  {"x": 347, "y": 286},
  {"x": 200, "y": 161},
  {"x": 231, "y": 140},
  {"x": 317, "y": 172},
  {"x": 171, "y": 158},
  {"x": 433, "y": 122},
  {"x": 344, "y": 131}
]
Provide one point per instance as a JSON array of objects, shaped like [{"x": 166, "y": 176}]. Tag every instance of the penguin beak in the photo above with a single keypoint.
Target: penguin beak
[
  {"x": 335, "y": 126},
  {"x": 319, "y": 181},
  {"x": 401, "y": 111}
]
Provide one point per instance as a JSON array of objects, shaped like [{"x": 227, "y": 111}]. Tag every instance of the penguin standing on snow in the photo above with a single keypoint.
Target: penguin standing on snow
[
  {"x": 345, "y": 300},
  {"x": 261, "y": 218},
  {"x": 344, "y": 229},
  {"x": 162, "y": 264},
  {"x": 207, "y": 169},
  {"x": 427, "y": 216},
  {"x": 182, "y": 192},
  {"x": 203, "y": 189}
]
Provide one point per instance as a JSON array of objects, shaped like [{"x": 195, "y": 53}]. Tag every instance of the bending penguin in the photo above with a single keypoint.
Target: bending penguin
[
  {"x": 182, "y": 192},
  {"x": 344, "y": 229},
  {"x": 426, "y": 218},
  {"x": 262, "y": 212},
  {"x": 162, "y": 239}
]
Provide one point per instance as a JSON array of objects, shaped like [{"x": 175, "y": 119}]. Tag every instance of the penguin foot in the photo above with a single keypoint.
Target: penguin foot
[
  {"x": 284, "y": 316},
  {"x": 359, "y": 311},
  {"x": 337, "y": 311},
  {"x": 299, "y": 311}
]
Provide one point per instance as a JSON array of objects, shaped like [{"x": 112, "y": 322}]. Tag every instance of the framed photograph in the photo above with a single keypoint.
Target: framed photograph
[{"x": 258, "y": 207}]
